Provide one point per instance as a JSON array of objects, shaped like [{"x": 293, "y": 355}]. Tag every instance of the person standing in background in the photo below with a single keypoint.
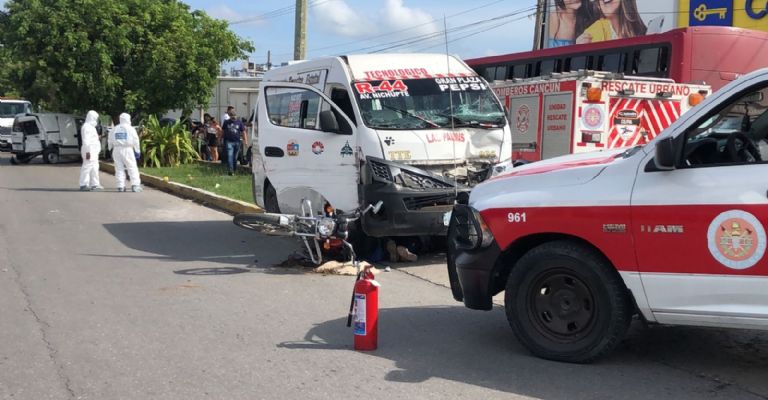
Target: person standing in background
[
  {"x": 223, "y": 150},
  {"x": 225, "y": 116},
  {"x": 212, "y": 136},
  {"x": 124, "y": 143},
  {"x": 90, "y": 149},
  {"x": 234, "y": 136}
]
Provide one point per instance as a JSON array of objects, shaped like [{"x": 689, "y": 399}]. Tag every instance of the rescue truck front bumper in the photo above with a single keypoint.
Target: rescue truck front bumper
[
  {"x": 415, "y": 201},
  {"x": 472, "y": 256}
]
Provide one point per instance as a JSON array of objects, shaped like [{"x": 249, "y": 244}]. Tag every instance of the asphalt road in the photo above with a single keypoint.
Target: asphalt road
[{"x": 146, "y": 296}]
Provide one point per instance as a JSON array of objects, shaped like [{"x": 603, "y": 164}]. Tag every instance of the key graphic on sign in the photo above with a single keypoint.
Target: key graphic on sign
[{"x": 702, "y": 12}]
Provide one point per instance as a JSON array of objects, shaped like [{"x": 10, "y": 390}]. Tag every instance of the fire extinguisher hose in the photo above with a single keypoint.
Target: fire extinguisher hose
[{"x": 352, "y": 303}]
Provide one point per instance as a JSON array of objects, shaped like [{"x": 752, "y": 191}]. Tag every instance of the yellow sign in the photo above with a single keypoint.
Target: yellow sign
[{"x": 748, "y": 14}]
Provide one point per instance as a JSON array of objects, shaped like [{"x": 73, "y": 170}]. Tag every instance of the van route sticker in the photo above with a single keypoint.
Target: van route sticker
[
  {"x": 292, "y": 148},
  {"x": 346, "y": 150}
]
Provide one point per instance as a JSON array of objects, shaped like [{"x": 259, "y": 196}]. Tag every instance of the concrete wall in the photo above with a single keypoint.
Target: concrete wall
[{"x": 240, "y": 92}]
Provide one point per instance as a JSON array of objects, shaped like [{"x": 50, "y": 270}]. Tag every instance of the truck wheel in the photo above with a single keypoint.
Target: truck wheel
[
  {"x": 565, "y": 302},
  {"x": 21, "y": 159},
  {"x": 51, "y": 156},
  {"x": 270, "y": 199}
]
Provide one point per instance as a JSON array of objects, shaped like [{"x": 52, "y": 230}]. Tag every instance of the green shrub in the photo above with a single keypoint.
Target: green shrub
[{"x": 166, "y": 146}]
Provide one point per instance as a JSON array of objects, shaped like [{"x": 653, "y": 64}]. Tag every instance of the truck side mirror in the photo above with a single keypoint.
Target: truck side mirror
[{"x": 665, "y": 154}]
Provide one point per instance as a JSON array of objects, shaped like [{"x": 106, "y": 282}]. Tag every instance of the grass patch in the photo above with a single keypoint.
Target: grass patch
[{"x": 206, "y": 177}]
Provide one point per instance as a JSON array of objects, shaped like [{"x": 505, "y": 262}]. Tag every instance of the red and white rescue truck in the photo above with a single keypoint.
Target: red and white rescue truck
[
  {"x": 673, "y": 230},
  {"x": 588, "y": 110}
]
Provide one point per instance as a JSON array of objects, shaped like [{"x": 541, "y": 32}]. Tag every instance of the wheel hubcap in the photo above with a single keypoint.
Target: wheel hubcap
[{"x": 561, "y": 305}]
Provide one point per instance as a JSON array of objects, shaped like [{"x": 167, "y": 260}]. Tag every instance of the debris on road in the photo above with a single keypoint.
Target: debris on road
[{"x": 346, "y": 268}]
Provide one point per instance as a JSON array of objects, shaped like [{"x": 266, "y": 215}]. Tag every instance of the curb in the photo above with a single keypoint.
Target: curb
[{"x": 204, "y": 197}]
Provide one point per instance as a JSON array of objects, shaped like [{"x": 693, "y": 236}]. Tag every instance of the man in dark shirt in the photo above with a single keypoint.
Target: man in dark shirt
[{"x": 234, "y": 132}]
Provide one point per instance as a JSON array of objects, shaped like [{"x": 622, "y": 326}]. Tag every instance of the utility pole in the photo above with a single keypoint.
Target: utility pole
[
  {"x": 540, "y": 25},
  {"x": 300, "y": 35},
  {"x": 269, "y": 60}
]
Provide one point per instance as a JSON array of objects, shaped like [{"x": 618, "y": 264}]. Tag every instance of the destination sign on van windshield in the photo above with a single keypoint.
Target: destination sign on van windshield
[{"x": 407, "y": 87}]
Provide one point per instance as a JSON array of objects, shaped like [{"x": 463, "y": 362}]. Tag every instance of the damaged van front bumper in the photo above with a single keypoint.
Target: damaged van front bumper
[{"x": 415, "y": 201}]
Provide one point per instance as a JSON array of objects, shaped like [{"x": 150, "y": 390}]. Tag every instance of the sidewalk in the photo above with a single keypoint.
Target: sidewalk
[{"x": 206, "y": 198}]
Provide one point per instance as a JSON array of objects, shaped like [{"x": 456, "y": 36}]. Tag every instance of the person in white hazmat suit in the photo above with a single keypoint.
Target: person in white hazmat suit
[
  {"x": 90, "y": 149},
  {"x": 124, "y": 143}
]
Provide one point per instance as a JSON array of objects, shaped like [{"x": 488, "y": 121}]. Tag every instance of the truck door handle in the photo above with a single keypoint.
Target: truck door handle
[{"x": 271, "y": 151}]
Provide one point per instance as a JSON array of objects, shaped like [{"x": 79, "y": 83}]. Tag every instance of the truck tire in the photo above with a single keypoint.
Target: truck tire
[
  {"x": 565, "y": 302},
  {"x": 21, "y": 159},
  {"x": 51, "y": 156},
  {"x": 270, "y": 199}
]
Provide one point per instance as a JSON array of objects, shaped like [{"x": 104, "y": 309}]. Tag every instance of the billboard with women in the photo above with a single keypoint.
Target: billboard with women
[{"x": 588, "y": 21}]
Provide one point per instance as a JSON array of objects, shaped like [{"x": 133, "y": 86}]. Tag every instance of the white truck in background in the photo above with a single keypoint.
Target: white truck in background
[
  {"x": 9, "y": 108},
  {"x": 410, "y": 130},
  {"x": 51, "y": 135}
]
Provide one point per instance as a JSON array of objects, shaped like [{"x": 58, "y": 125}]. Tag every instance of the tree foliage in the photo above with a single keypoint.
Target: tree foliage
[{"x": 140, "y": 56}]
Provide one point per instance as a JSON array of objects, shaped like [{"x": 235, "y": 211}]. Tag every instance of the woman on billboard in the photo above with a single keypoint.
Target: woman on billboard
[
  {"x": 619, "y": 20},
  {"x": 570, "y": 19}
]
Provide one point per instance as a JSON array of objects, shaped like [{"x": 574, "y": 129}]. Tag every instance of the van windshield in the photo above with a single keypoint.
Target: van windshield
[
  {"x": 11, "y": 109},
  {"x": 426, "y": 103}
]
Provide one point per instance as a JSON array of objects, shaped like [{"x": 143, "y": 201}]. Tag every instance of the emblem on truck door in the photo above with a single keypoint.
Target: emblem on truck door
[{"x": 736, "y": 239}]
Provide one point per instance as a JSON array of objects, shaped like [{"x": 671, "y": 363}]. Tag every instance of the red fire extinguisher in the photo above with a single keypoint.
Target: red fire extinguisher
[{"x": 364, "y": 313}]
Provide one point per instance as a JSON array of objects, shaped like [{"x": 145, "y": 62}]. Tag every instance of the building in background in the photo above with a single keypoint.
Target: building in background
[{"x": 238, "y": 88}]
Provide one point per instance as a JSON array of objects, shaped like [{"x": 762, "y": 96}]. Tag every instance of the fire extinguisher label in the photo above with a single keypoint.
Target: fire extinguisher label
[{"x": 359, "y": 314}]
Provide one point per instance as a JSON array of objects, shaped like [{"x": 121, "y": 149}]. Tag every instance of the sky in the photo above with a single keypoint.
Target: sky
[{"x": 335, "y": 27}]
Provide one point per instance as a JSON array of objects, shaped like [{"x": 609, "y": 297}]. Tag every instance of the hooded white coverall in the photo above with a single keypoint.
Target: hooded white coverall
[
  {"x": 89, "y": 172},
  {"x": 124, "y": 141}
]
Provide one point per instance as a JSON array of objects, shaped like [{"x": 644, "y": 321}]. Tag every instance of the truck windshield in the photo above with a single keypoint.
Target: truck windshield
[
  {"x": 426, "y": 103},
  {"x": 11, "y": 109}
]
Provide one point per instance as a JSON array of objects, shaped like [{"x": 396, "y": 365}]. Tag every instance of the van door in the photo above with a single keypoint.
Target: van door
[
  {"x": 31, "y": 134},
  {"x": 304, "y": 155}
]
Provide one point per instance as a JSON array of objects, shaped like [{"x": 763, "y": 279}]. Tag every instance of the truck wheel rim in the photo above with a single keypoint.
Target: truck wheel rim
[{"x": 561, "y": 306}]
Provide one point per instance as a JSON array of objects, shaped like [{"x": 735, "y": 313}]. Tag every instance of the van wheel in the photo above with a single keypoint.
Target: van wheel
[
  {"x": 565, "y": 302},
  {"x": 270, "y": 199},
  {"x": 51, "y": 156}
]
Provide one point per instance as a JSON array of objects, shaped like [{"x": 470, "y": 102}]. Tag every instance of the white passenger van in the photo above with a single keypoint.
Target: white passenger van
[{"x": 410, "y": 130}]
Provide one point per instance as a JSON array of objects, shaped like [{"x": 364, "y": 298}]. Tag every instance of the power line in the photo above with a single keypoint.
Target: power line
[
  {"x": 277, "y": 13},
  {"x": 473, "y": 33},
  {"x": 421, "y": 38},
  {"x": 390, "y": 33},
  {"x": 404, "y": 30}
]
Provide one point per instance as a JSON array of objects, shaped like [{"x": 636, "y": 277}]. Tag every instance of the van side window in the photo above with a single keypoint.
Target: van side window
[
  {"x": 341, "y": 98},
  {"x": 293, "y": 108},
  {"x": 29, "y": 128}
]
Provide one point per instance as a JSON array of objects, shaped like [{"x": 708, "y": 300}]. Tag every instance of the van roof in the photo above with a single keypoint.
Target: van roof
[
  {"x": 383, "y": 66},
  {"x": 405, "y": 66},
  {"x": 12, "y": 100}
]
